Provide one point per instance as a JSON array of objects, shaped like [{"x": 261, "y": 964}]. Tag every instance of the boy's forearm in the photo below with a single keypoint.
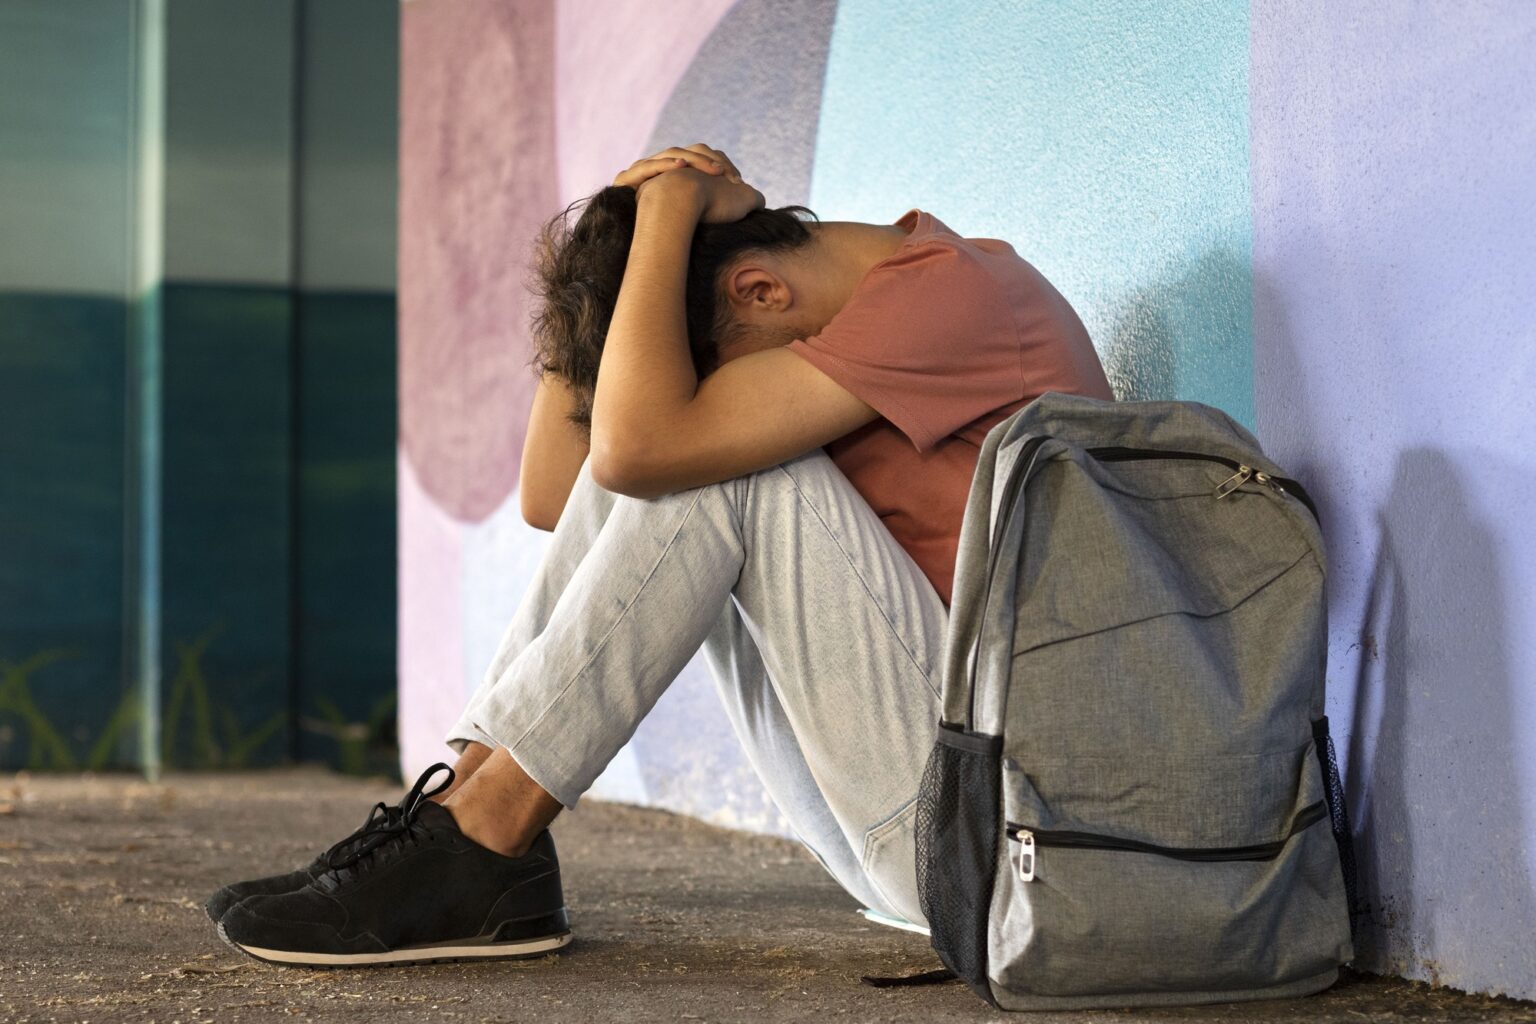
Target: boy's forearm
[
  {"x": 646, "y": 378},
  {"x": 553, "y": 452}
]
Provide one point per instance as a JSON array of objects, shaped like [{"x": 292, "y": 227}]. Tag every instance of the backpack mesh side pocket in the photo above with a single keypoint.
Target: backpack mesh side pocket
[
  {"x": 1338, "y": 814},
  {"x": 958, "y": 809}
]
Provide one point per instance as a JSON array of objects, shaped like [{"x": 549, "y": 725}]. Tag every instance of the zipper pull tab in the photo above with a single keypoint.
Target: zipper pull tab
[
  {"x": 1233, "y": 482},
  {"x": 1026, "y": 856}
]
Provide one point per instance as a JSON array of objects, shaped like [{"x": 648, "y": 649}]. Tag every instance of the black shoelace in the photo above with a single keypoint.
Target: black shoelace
[{"x": 386, "y": 830}]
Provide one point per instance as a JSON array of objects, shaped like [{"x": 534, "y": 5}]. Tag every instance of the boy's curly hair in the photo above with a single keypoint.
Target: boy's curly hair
[{"x": 579, "y": 266}]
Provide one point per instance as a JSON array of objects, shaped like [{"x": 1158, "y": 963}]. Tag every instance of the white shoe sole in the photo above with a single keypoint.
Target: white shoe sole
[{"x": 520, "y": 949}]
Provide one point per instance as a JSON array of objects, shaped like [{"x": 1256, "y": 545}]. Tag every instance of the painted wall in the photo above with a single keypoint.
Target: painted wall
[
  {"x": 1321, "y": 225},
  {"x": 1394, "y": 282}
]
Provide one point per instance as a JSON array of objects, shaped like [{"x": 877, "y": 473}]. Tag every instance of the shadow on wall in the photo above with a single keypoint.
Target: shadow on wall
[
  {"x": 1432, "y": 693},
  {"x": 1434, "y": 600},
  {"x": 1197, "y": 311}
]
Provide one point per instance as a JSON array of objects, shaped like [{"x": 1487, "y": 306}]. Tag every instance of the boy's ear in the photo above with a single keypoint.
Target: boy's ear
[{"x": 755, "y": 287}]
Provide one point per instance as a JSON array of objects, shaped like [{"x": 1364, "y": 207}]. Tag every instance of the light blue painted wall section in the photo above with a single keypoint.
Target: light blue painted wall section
[{"x": 1108, "y": 141}]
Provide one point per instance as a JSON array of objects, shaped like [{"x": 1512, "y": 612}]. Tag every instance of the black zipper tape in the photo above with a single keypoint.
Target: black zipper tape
[
  {"x": 1308, "y": 817},
  {"x": 1285, "y": 484}
]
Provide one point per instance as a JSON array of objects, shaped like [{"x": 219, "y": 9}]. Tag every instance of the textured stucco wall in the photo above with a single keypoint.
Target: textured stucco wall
[
  {"x": 1394, "y": 267},
  {"x": 1320, "y": 224},
  {"x": 1159, "y": 274},
  {"x": 1107, "y": 143},
  {"x": 477, "y": 175}
]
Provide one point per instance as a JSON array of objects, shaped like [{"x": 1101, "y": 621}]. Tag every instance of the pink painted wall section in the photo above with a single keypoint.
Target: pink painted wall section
[
  {"x": 613, "y": 75},
  {"x": 511, "y": 110},
  {"x": 431, "y": 622},
  {"x": 477, "y": 178},
  {"x": 484, "y": 84}
]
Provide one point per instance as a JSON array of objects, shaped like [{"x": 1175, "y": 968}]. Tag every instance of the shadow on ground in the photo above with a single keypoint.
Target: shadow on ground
[{"x": 102, "y": 879}]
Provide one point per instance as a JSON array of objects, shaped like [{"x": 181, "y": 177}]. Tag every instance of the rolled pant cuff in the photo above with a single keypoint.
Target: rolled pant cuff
[
  {"x": 541, "y": 760},
  {"x": 465, "y": 732}
]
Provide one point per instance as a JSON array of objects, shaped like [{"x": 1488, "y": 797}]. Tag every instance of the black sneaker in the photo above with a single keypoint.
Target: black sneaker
[
  {"x": 410, "y": 890},
  {"x": 276, "y": 885}
]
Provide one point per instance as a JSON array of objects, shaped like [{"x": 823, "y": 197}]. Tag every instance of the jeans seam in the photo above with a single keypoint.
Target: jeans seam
[
  {"x": 601, "y": 644},
  {"x": 868, "y": 590},
  {"x": 906, "y": 812},
  {"x": 884, "y": 828}
]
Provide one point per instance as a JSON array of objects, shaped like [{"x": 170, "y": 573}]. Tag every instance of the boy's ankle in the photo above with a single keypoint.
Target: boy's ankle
[
  {"x": 469, "y": 762},
  {"x": 501, "y": 807},
  {"x": 488, "y": 830}
]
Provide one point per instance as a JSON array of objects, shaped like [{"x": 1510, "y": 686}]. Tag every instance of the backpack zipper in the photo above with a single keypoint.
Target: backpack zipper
[
  {"x": 1030, "y": 840},
  {"x": 1241, "y": 472}
]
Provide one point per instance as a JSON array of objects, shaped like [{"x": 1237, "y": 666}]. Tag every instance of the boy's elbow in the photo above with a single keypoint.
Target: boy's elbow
[
  {"x": 540, "y": 515},
  {"x": 620, "y": 468}
]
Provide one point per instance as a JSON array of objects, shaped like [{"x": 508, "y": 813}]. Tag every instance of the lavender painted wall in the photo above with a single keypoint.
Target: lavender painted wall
[{"x": 1394, "y": 171}]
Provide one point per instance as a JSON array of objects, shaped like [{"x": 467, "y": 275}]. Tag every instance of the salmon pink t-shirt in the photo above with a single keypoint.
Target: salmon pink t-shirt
[{"x": 945, "y": 338}]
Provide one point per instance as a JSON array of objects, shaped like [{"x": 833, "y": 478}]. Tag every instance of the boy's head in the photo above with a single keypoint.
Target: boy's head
[{"x": 731, "y": 307}]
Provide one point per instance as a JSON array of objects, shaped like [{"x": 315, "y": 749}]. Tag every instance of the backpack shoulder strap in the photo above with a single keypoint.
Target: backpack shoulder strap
[{"x": 990, "y": 544}]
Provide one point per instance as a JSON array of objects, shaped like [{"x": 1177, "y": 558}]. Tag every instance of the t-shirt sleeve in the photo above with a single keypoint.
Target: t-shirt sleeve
[{"x": 927, "y": 340}]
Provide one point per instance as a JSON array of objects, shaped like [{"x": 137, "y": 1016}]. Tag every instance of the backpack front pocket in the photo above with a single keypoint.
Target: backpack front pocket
[
  {"x": 1031, "y": 841},
  {"x": 1203, "y": 873}
]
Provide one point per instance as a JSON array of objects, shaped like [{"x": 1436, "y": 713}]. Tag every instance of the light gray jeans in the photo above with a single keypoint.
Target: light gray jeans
[{"x": 824, "y": 637}]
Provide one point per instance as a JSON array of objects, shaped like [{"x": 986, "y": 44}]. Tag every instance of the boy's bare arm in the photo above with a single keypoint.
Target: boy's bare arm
[
  {"x": 656, "y": 428},
  {"x": 553, "y": 452}
]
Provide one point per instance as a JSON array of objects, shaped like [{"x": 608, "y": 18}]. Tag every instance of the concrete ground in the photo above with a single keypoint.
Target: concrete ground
[{"x": 102, "y": 881}]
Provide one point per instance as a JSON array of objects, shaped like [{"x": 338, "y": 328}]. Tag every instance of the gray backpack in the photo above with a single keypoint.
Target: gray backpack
[{"x": 1132, "y": 800}]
